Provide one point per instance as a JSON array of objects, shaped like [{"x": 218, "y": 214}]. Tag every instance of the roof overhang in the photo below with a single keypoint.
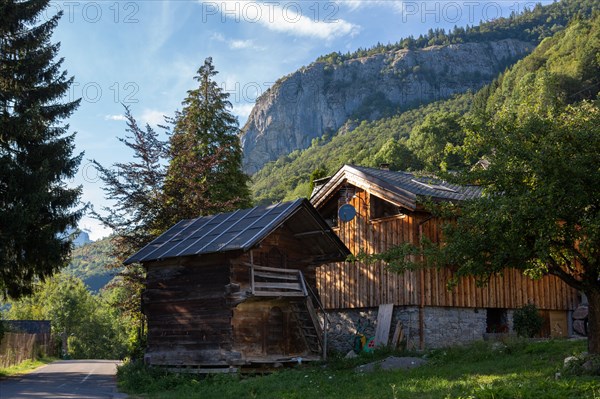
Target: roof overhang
[{"x": 349, "y": 175}]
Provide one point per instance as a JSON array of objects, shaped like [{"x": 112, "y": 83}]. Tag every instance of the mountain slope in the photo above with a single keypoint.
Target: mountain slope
[
  {"x": 320, "y": 98},
  {"x": 379, "y": 82},
  {"x": 89, "y": 262},
  {"x": 364, "y": 143}
]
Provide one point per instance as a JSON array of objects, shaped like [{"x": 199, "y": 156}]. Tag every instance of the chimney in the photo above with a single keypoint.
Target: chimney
[{"x": 384, "y": 166}]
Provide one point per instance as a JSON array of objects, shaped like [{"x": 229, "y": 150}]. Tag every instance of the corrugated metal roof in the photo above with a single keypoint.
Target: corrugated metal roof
[
  {"x": 239, "y": 230},
  {"x": 422, "y": 186},
  {"x": 403, "y": 187}
]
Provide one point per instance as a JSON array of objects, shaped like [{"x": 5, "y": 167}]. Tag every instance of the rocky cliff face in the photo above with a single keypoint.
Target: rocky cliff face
[{"x": 320, "y": 98}]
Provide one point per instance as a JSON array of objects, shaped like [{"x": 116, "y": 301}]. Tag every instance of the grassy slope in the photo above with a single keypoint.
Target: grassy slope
[{"x": 519, "y": 370}]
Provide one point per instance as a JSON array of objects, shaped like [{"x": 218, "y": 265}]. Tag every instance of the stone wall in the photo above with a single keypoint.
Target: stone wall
[{"x": 442, "y": 326}]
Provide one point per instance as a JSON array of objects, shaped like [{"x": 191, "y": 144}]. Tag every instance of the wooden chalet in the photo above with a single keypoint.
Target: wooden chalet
[
  {"x": 389, "y": 211},
  {"x": 237, "y": 289}
]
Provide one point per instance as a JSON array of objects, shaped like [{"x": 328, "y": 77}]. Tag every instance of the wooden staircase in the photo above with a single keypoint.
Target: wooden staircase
[
  {"x": 275, "y": 282},
  {"x": 309, "y": 323}
]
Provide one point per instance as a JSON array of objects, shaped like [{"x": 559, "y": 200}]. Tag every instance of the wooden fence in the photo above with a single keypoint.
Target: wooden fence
[{"x": 18, "y": 347}]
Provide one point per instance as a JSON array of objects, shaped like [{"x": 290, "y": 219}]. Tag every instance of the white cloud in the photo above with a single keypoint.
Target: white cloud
[
  {"x": 242, "y": 110},
  {"x": 285, "y": 17},
  {"x": 115, "y": 118},
  {"x": 241, "y": 44},
  {"x": 152, "y": 117},
  {"x": 235, "y": 44},
  {"x": 95, "y": 229},
  {"x": 353, "y": 5}
]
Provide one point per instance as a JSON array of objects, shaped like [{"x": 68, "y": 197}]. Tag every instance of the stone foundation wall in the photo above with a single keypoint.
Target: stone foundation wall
[{"x": 442, "y": 326}]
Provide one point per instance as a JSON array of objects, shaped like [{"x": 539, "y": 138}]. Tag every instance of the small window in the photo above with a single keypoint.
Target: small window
[
  {"x": 381, "y": 208},
  {"x": 496, "y": 321}
]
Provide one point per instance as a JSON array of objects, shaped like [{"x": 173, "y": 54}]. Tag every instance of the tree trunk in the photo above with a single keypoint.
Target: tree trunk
[{"x": 593, "y": 330}]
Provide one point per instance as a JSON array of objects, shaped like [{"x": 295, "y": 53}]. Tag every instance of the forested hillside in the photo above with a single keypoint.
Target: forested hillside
[
  {"x": 415, "y": 139},
  {"x": 89, "y": 263},
  {"x": 361, "y": 143},
  {"x": 532, "y": 25}
]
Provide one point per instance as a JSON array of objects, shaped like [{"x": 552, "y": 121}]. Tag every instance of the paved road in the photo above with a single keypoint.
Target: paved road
[{"x": 81, "y": 379}]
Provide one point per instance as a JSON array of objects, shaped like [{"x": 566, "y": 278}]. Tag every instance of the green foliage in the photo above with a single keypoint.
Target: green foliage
[
  {"x": 316, "y": 174},
  {"x": 88, "y": 326},
  {"x": 540, "y": 211},
  {"x": 36, "y": 151},
  {"x": 532, "y": 25},
  {"x": 136, "y": 187},
  {"x": 204, "y": 174},
  {"x": 563, "y": 69},
  {"x": 396, "y": 154},
  {"x": 429, "y": 140},
  {"x": 356, "y": 143},
  {"x": 527, "y": 320},
  {"x": 518, "y": 370},
  {"x": 93, "y": 263}
]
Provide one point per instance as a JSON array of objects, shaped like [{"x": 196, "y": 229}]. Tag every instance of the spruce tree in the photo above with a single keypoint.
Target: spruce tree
[
  {"x": 204, "y": 174},
  {"x": 36, "y": 153}
]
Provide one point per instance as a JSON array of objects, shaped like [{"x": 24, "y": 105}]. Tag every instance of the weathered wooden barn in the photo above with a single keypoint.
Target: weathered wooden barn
[
  {"x": 235, "y": 289},
  {"x": 389, "y": 211}
]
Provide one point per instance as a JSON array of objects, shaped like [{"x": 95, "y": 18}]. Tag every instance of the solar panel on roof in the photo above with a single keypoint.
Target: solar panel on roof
[{"x": 224, "y": 232}]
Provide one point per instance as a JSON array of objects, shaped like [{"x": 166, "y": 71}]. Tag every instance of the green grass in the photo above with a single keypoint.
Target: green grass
[
  {"x": 25, "y": 367},
  {"x": 520, "y": 369}
]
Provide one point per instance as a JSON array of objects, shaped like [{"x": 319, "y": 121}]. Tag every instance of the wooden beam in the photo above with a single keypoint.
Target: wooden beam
[{"x": 309, "y": 233}]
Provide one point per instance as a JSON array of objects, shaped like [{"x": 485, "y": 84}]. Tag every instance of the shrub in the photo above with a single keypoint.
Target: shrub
[{"x": 527, "y": 321}]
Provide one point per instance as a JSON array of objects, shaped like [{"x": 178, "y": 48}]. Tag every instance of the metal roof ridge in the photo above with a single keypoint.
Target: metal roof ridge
[
  {"x": 293, "y": 203},
  {"x": 252, "y": 224}
]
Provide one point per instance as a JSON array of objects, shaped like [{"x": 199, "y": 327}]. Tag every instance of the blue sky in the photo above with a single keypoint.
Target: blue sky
[{"x": 145, "y": 54}]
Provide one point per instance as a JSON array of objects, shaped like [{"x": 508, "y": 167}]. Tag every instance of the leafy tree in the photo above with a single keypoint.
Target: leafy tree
[
  {"x": 397, "y": 155},
  {"x": 87, "y": 326},
  {"x": 541, "y": 208},
  {"x": 204, "y": 174},
  {"x": 36, "y": 206},
  {"x": 316, "y": 174},
  {"x": 428, "y": 141}
]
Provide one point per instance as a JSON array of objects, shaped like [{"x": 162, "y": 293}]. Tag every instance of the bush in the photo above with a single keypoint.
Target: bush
[{"x": 527, "y": 321}]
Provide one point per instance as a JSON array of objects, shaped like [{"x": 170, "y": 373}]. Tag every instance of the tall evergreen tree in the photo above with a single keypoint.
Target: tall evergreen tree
[
  {"x": 36, "y": 153},
  {"x": 204, "y": 174}
]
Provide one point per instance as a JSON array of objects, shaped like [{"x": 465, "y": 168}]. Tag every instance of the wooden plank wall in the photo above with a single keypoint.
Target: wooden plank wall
[
  {"x": 189, "y": 321},
  {"x": 356, "y": 285}
]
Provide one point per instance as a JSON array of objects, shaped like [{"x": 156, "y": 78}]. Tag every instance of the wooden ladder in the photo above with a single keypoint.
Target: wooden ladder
[
  {"x": 276, "y": 282},
  {"x": 306, "y": 316}
]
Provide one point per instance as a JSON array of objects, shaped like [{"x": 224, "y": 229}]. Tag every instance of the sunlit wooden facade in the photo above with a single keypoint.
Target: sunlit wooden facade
[{"x": 389, "y": 213}]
